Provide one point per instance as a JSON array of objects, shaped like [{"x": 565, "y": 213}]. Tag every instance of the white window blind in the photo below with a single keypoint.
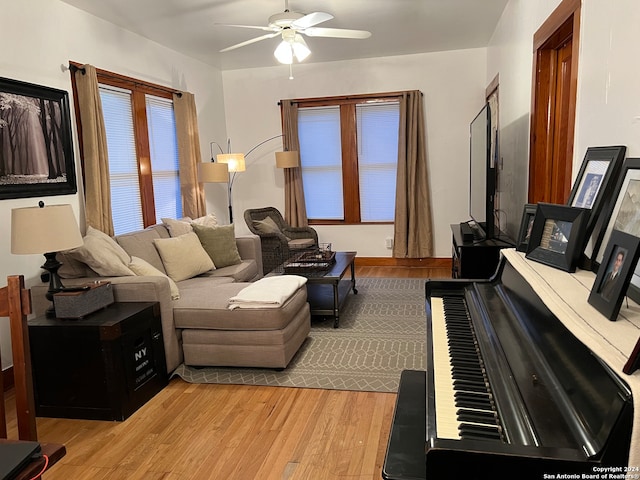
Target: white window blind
[
  {"x": 163, "y": 146},
  {"x": 321, "y": 161},
  {"x": 377, "y": 126},
  {"x": 123, "y": 165}
]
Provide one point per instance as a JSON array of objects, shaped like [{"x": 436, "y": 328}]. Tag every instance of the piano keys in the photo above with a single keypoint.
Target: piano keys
[{"x": 509, "y": 392}]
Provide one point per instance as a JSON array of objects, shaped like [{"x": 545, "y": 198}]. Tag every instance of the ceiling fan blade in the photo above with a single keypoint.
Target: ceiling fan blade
[
  {"x": 311, "y": 19},
  {"x": 255, "y": 27},
  {"x": 335, "y": 32},
  {"x": 249, "y": 42}
]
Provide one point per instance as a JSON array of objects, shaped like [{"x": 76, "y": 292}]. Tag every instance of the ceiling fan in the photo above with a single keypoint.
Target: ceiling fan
[{"x": 290, "y": 25}]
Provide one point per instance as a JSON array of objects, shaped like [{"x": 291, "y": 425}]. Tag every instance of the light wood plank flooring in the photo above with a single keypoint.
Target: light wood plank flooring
[{"x": 197, "y": 432}]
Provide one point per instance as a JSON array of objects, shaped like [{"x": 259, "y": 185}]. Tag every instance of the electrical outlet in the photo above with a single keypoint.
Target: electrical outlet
[{"x": 389, "y": 242}]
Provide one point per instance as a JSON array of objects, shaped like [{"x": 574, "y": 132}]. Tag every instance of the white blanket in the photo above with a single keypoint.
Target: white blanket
[{"x": 268, "y": 292}]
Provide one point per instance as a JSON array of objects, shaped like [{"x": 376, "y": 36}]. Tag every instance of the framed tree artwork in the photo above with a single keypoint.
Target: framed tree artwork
[{"x": 36, "y": 154}]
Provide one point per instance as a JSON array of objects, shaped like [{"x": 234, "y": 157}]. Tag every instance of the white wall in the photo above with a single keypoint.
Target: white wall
[
  {"x": 608, "y": 104},
  {"x": 37, "y": 37},
  {"x": 453, "y": 84}
]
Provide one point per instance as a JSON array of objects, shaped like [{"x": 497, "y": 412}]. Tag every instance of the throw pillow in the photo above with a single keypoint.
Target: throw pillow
[
  {"x": 103, "y": 254},
  {"x": 183, "y": 257},
  {"x": 141, "y": 268},
  {"x": 177, "y": 227},
  {"x": 209, "y": 220},
  {"x": 267, "y": 225},
  {"x": 219, "y": 243}
]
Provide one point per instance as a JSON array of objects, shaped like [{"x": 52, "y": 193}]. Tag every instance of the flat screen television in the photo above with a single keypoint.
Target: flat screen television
[{"x": 482, "y": 175}]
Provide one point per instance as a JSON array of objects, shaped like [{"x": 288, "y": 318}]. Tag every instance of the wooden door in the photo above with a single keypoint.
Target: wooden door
[{"x": 553, "y": 105}]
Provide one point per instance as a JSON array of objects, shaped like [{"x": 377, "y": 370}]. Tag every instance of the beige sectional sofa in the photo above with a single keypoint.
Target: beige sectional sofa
[{"x": 198, "y": 327}]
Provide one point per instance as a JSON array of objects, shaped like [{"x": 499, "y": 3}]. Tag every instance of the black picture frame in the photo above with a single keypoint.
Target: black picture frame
[
  {"x": 526, "y": 227},
  {"x": 36, "y": 146},
  {"x": 619, "y": 261},
  {"x": 558, "y": 235},
  {"x": 592, "y": 190},
  {"x": 620, "y": 216},
  {"x": 633, "y": 363}
]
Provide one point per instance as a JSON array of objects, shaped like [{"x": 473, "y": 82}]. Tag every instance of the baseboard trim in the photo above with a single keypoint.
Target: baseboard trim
[{"x": 403, "y": 262}]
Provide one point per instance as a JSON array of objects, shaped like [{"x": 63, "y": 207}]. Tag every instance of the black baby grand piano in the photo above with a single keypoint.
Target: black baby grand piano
[{"x": 508, "y": 391}]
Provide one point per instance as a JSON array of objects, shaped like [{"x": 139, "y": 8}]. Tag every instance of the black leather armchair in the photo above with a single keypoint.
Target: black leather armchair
[{"x": 279, "y": 240}]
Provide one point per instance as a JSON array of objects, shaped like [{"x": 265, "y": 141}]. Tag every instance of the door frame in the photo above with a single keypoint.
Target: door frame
[{"x": 562, "y": 24}]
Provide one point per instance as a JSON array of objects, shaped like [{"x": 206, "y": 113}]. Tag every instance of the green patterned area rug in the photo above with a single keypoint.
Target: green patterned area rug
[{"x": 382, "y": 332}]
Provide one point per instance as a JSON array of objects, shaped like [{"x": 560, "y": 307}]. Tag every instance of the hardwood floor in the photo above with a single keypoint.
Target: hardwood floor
[{"x": 234, "y": 432}]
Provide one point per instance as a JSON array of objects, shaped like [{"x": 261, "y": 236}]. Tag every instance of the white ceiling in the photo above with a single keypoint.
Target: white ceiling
[{"x": 398, "y": 27}]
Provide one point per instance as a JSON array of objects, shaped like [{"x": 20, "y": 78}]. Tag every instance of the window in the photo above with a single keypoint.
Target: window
[
  {"x": 349, "y": 156},
  {"x": 143, "y": 152}
]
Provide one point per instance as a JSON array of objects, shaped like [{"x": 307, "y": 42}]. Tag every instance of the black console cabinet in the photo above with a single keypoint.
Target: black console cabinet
[
  {"x": 477, "y": 258},
  {"x": 101, "y": 367}
]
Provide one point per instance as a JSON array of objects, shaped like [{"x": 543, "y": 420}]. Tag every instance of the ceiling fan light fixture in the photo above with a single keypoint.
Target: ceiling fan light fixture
[
  {"x": 292, "y": 45},
  {"x": 284, "y": 53},
  {"x": 300, "y": 48}
]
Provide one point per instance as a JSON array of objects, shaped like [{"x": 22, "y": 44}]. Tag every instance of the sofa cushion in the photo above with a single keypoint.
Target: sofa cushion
[
  {"x": 219, "y": 243},
  {"x": 177, "y": 227},
  {"x": 205, "y": 308},
  {"x": 245, "y": 271},
  {"x": 140, "y": 244},
  {"x": 102, "y": 254},
  {"x": 183, "y": 257},
  {"x": 142, "y": 268},
  {"x": 72, "y": 268},
  {"x": 209, "y": 220}
]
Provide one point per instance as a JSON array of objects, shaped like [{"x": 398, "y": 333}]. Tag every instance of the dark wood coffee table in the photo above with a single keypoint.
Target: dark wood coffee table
[{"x": 327, "y": 289}]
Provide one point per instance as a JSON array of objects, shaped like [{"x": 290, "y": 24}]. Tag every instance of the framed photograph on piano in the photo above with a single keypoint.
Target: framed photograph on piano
[
  {"x": 557, "y": 235},
  {"x": 622, "y": 215},
  {"x": 526, "y": 227},
  {"x": 593, "y": 189},
  {"x": 619, "y": 261}
]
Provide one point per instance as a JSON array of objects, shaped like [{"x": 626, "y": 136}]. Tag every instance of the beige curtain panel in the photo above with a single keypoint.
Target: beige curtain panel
[
  {"x": 96, "y": 159},
  {"x": 295, "y": 210},
  {"x": 413, "y": 232},
  {"x": 193, "y": 201}
]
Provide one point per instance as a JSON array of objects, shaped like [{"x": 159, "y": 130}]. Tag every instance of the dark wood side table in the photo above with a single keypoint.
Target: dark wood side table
[
  {"x": 475, "y": 259},
  {"x": 101, "y": 367}
]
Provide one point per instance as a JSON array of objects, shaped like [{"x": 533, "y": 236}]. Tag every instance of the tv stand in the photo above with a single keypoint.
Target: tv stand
[{"x": 475, "y": 258}]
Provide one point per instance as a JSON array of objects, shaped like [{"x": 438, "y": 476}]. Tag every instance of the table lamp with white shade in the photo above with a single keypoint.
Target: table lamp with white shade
[{"x": 45, "y": 230}]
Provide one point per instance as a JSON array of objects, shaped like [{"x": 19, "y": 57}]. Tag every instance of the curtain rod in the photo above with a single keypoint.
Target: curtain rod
[
  {"x": 76, "y": 68},
  {"x": 351, "y": 97}
]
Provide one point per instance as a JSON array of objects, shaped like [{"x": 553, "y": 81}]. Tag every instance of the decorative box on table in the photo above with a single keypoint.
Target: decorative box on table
[
  {"x": 311, "y": 260},
  {"x": 78, "y": 302}
]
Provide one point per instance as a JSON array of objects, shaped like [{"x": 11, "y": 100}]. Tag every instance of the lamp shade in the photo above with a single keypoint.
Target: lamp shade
[
  {"x": 287, "y": 159},
  {"x": 50, "y": 228},
  {"x": 213, "y": 172},
  {"x": 284, "y": 53},
  {"x": 300, "y": 48},
  {"x": 235, "y": 161}
]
